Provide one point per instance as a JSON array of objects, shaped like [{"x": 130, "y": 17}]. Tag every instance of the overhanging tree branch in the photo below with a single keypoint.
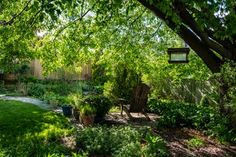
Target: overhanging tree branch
[
  {"x": 210, "y": 59},
  {"x": 11, "y": 21},
  {"x": 187, "y": 19},
  {"x": 73, "y": 22}
]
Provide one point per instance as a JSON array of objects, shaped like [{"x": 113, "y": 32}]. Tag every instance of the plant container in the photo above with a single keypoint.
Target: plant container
[{"x": 67, "y": 111}]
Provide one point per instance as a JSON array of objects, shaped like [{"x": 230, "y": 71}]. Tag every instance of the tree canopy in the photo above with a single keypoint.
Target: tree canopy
[{"x": 76, "y": 29}]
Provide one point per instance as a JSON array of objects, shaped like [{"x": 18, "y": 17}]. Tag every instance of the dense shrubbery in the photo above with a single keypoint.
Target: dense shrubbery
[
  {"x": 36, "y": 89},
  {"x": 121, "y": 82},
  {"x": 39, "y": 88},
  {"x": 178, "y": 114},
  {"x": 53, "y": 92},
  {"x": 75, "y": 94},
  {"x": 100, "y": 102},
  {"x": 120, "y": 141}
]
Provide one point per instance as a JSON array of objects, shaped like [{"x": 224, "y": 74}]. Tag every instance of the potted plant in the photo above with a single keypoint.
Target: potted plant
[
  {"x": 87, "y": 114},
  {"x": 102, "y": 105},
  {"x": 66, "y": 106},
  {"x": 51, "y": 98},
  {"x": 75, "y": 100}
]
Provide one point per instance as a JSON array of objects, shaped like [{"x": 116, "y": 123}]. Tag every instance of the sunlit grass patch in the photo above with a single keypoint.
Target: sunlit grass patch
[{"x": 27, "y": 130}]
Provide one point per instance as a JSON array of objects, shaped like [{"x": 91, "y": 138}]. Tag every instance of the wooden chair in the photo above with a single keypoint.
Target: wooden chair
[{"x": 138, "y": 101}]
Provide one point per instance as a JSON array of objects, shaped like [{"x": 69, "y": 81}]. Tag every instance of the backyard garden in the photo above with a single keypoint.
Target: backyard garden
[{"x": 150, "y": 78}]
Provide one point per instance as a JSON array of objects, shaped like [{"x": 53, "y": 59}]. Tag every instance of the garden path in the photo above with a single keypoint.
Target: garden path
[{"x": 33, "y": 101}]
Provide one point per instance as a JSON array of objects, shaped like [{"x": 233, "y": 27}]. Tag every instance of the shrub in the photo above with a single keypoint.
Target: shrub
[
  {"x": 121, "y": 82},
  {"x": 209, "y": 119},
  {"x": 51, "y": 98},
  {"x": 87, "y": 109},
  {"x": 61, "y": 89},
  {"x": 155, "y": 146},
  {"x": 100, "y": 102},
  {"x": 119, "y": 141},
  {"x": 36, "y": 89},
  {"x": 132, "y": 149},
  {"x": 174, "y": 114}
]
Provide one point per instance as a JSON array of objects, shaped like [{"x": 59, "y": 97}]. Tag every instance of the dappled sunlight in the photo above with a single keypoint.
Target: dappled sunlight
[
  {"x": 31, "y": 131},
  {"x": 50, "y": 130}
]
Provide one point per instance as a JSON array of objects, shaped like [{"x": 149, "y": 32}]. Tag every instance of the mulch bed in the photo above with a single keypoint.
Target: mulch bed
[{"x": 176, "y": 138}]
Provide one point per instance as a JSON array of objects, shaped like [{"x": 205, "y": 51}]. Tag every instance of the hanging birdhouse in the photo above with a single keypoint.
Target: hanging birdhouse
[{"x": 178, "y": 55}]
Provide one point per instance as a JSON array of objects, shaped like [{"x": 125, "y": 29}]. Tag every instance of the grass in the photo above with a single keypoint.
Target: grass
[{"x": 27, "y": 130}]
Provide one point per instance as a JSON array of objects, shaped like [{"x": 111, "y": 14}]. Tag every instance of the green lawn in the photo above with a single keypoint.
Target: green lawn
[{"x": 26, "y": 130}]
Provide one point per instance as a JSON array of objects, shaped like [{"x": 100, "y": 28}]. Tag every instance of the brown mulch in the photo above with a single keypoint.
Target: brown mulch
[
  {"x": 177, "y": 138},
  {"x": 177, "y": 143}
]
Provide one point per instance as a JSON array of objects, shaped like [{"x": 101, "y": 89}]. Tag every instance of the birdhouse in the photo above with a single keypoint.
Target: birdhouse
[{"x": 178, "y": 55}]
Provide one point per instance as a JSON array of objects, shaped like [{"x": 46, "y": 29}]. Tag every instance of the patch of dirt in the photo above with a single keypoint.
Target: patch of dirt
[
  {"x": 138, "y": 119},
  {"x": 177, "y": 140}
]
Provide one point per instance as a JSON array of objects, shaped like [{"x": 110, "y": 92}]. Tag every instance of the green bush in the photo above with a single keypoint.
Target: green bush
[
  {"x": 209, "y": 119},
  {"x": 132, "y": 149},
  {"x": 154, "y": 142},
  {"x": 100, "y": 102},
  {"x": 121, "y": 82},
  {"x": 54, "y": 98},
  {"x": 36, "y": 89},
  {"x": 174, "y": 114},
  {"x": 87, "y": 110},
  {"x": 62, "y": 88},
  {"x": 120, "y": 141}
]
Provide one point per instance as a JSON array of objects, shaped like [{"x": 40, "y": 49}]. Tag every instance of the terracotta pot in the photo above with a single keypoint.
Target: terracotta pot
[
  {"x": 76, "y": 114},
  {"x": 10, "y": 77},
  {"x": 67, "y": 111},
  {"x": 87, "y": 120}
]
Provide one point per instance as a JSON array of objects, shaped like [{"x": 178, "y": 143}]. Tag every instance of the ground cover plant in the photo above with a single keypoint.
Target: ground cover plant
[
  {"x": 120, "y": 141},
  {"x": 206, "y": 118},
  {"x": 27, "y": 130}
]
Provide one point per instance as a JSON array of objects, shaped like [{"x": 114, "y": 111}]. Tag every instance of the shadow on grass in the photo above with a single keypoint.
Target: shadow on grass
[{"x": 26, "y": 130}]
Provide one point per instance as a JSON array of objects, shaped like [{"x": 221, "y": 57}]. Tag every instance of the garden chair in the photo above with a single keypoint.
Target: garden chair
[{"x": 138, "y": 101}]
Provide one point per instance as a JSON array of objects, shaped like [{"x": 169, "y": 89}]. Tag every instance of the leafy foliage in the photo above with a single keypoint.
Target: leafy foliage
[
  {"x": 101, "y": 104},
  {"x": 195, "y": 142},
  {"x": 176, "y": 81},
  {"x": 120, "y": 141},
  {"x": 36, "y": 89},
  {"x": 207, "y": 118}
]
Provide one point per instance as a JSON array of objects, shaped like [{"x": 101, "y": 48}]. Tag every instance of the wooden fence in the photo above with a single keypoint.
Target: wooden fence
[
  {"x": 36, "y": 70},
  {"x": 189, "y": 90}
]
